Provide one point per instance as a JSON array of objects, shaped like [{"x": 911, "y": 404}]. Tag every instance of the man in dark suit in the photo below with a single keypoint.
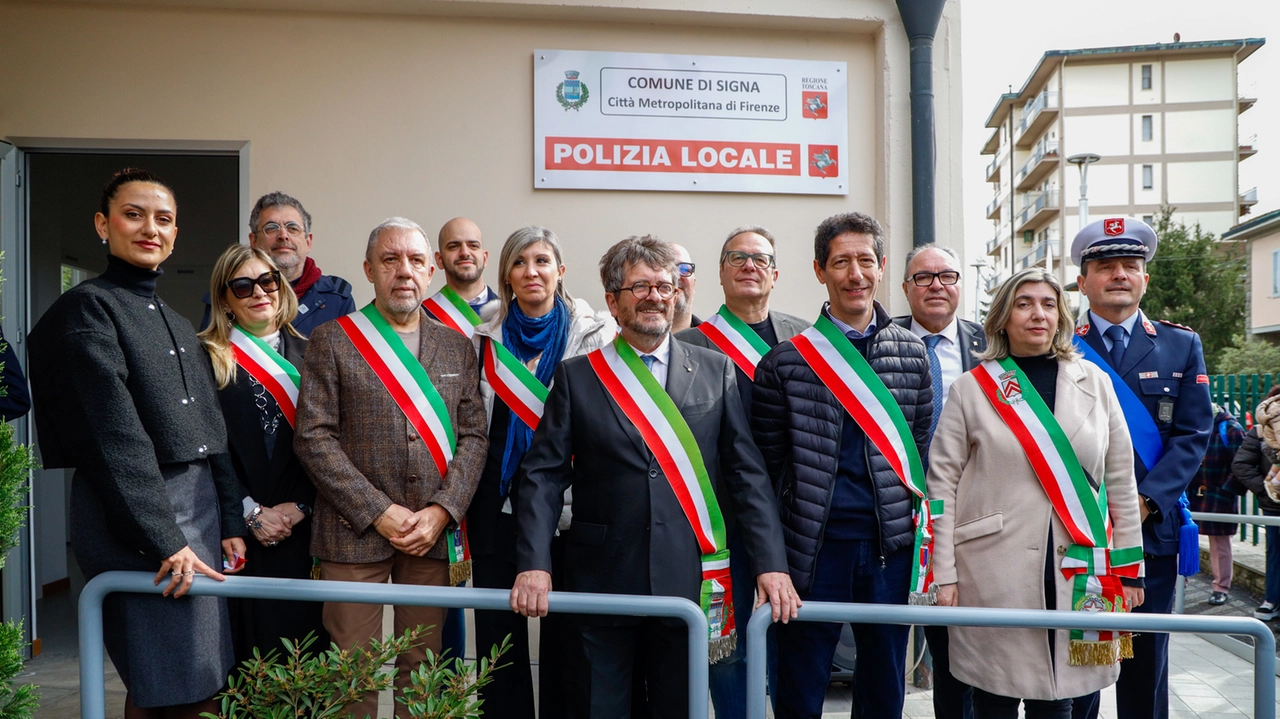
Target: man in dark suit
[
  {"x": 630, "y": 534},
  {"x": 932, "y": 285},
  {"x": 1162, "y": 368}
]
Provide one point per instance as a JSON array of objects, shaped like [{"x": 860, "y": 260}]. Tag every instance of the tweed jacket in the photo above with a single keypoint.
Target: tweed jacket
[
  {"x": 363, "y": 455},
  {"x": 991, "y": 538}
]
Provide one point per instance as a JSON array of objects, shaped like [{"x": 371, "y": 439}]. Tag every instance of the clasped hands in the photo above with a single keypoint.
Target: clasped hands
[
  {"x": 277, "y": 523},
  {"x": 412, "y": 532}
]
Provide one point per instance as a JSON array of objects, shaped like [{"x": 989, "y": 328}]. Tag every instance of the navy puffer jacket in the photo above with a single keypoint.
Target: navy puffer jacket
[{"x": 797, "y": 421}]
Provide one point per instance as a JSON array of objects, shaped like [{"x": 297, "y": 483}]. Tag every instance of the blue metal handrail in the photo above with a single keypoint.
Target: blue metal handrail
[
  {"x": 1264, "y": 647},
  {"x": 93, "y": 687}
]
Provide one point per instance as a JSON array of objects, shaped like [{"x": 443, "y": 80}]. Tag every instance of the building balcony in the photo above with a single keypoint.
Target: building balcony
[
  {"x": 993, "y": 210},
  {"x": 1244, "y": 103},
  {"x": 993, "y": 170},
  {"x": 995, "y": 243},
  {"x": 1248, "y": 147},
  {"x": 1043, "y": 160},
  {"x": 992, "y": 145},
  {"x": 1037, "y": 208},
  {"x": 1248, "y": 199},
  {"x": 1036, "y": 116},
  {"x": 992, "y": 283},
  {"x": 1035, "y": 257}
]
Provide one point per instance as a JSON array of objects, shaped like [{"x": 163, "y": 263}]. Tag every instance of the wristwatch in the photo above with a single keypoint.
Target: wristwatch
[{"x": 304, "y": 508}]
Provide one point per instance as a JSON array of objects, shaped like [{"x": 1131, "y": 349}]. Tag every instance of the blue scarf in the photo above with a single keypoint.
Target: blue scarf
[{"x": 527, "y": 337}]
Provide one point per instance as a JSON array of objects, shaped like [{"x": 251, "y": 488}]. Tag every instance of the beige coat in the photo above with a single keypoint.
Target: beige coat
[{"x": 996, "y": 519}]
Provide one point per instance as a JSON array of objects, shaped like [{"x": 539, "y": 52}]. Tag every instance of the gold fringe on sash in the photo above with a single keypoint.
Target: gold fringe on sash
[
  {"x": 722, "y": 647},
  {"x": 1100, "y": 654},
  {"x": 459, "y": 572}
]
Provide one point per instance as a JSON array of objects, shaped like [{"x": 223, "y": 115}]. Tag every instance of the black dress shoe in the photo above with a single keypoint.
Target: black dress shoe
[{"x": 1218, "y": 599}]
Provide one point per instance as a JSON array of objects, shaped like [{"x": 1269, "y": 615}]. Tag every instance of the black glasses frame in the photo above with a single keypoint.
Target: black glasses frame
[
  {"x": 742, "y": 257},
  {"x": 928, "y": 278},
  {"x": 649, "y": 289},
  {"x": 242, "y": 287}
]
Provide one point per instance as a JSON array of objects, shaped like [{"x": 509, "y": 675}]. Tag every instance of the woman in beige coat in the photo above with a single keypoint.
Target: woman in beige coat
[{"x": 999, "y": 542}]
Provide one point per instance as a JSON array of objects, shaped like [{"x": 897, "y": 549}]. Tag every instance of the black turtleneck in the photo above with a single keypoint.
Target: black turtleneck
[
  {"x": 138, "y": 280},
  {"x": 1042, "y": 371}
]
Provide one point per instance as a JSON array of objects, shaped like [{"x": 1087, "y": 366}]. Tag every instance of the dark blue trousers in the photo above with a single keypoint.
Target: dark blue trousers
[
  {"x": 728, "y": 677},
  {"x": 1143, "y": 689},
  {"x": 847, "y": 571},
  {"x": 952, "y": 698}
]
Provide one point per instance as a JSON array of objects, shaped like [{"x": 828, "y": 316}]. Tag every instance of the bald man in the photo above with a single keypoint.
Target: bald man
[
  {"x": 684, "y": 298},
  {"x": 462, "y": 256}
]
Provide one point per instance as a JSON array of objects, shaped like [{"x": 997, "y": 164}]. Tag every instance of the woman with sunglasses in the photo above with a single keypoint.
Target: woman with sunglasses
[
  {"x": 256, "y": 354},
  {"x": 126, "y": 400}
]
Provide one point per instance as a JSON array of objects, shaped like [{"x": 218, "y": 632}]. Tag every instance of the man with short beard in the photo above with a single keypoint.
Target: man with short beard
[
  {"x": 684, "y": 317},
  {"x": 463, "y": 258},
  {"x": 609, "y": 431},
  {"x": 280, "y": 226},
  {"x": 380, "y": 387}
]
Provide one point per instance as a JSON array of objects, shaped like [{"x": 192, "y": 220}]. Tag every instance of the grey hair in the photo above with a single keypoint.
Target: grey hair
[
  {"x": 906, "y": 273},
  {"x": 277, "y": 199},
  {"x": 1002, "y": 309},
  {"x": 518, "y": 242},
  {"x": 633, "y": 250},
  {"x": 756, "y": 229},
  {"x": 402, "y": 223}
]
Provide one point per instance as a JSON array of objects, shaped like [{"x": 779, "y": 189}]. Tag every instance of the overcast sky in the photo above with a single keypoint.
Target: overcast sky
[{"x": 1002, "y": 40}]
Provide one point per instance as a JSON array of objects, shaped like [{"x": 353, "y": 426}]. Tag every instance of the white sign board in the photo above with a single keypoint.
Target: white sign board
[{"x": 631, "y": 121}]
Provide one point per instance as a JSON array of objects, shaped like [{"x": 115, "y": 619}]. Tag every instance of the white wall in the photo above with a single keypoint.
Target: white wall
[
  {"x": 1202, "y": 181},
  {"x": 1107, "y": 135},
  {"x": 1200, "y": 131},
  {"x": 1146, "y": 147},
  {"x": 1108, "y": 185},
  {"x": 1089, "y": 85},
  {"x": 1152, "y": 196},
  {"x": 1200, "y": 80}
]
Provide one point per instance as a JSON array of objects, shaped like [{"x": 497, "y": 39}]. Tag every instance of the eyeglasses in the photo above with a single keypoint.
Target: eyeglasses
[
  {"x": 924, "y": 279},
  {"x": 273, "y": 230},
  {"x": 686, "y": 268},
  {"x": 738, "y": 258},
  {"x": 242, "y": 287},
  {"x": 643, "y": 289}
]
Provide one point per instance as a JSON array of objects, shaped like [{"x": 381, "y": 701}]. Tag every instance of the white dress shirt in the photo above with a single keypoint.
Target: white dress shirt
[
  {"x": 948, "y": 350},
  {"x": 662, "y": 360}
]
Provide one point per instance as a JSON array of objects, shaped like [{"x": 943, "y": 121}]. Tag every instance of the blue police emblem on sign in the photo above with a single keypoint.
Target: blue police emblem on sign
[{"x": 572, "y": 94}]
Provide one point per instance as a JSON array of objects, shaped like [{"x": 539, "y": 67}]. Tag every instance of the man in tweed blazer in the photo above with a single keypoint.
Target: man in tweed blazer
[{"x": 383, "y": 508}]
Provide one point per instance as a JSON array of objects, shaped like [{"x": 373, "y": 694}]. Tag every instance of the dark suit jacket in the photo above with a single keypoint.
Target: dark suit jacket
[
  {"x": 629, "y": 535},
  {"x": 362, "y": 453},
  {"x": 969, "y": 335}
]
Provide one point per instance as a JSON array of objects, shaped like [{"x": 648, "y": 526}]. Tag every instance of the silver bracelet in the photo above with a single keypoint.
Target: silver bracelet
[{"x": 254, "y": 521}]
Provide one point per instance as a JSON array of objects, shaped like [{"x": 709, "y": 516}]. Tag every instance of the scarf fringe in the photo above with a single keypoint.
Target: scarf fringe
[
  {"x": 722, "y": 647},
  {"x": 459, "y": 572},
  {"x": 1100, "y": 654},
  {"x": 923, "y": 599},
  {"x": 315, "y": 567}
]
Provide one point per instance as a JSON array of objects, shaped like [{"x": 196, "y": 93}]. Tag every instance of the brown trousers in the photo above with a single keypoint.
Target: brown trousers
[{"x": 353, "y": 625}]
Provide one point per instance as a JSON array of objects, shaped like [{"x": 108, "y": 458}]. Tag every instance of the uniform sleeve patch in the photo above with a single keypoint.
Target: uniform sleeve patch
[{"x": 1202, "y": 379}]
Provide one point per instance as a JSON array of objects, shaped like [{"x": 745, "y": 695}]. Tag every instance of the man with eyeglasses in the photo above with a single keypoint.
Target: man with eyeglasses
[
  {"x": 281, "y": 227},
  {"x": 744, "y": 330},
  {"x": 684, "y": 317},
  {"x": 932, "y": 285},
  {"x": 628, "y": 427}
]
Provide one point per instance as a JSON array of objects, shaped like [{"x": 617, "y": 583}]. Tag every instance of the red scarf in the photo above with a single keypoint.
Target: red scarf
[{"x": 310, "y": 275}]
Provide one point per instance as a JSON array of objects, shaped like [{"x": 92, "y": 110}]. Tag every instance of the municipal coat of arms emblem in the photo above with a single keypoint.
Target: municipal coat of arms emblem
[
  {"x": 1010, "y": 390},
  {"x": 572, "y": 94}
]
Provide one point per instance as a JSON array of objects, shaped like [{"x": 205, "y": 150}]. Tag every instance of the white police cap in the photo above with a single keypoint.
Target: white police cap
[{"x": 1114, "y": 237}]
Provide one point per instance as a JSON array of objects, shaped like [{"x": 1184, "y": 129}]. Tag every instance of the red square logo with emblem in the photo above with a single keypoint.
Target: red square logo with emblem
[
  {"x": 824, "y": 160},
  {"x": 1113, "y": 226},
  {"x": 814, "y": 105}
]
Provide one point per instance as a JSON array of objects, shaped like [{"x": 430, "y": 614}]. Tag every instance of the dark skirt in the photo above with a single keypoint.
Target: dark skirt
[{"x": 167, "y": 651}]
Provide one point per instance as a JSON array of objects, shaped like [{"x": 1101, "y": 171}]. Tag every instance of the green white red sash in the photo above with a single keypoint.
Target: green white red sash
[
  {"x": 1090, "y": 563},
  {"x": 668, "y": 436},
  {"x": 511, "y": 380},
  {"x": 448, "y": 307},
  {"x": 411, "y": 389},
  {"x": 857, "y": 387},
  {"x": 736, "y": 339},
  {"x": 271, "y": 370}
]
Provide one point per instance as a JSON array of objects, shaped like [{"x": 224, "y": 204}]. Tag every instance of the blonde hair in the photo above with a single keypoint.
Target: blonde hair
[
  {"x": 518, "y": 242},
  {"x": 217, "y": 336},
  {"x": 1002, "y": 309}
]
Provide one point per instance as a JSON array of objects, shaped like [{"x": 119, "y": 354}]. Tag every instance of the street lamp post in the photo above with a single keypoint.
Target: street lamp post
[
  {"x": 978, "y": 266},
  {"x": 1083, "y": 161}
]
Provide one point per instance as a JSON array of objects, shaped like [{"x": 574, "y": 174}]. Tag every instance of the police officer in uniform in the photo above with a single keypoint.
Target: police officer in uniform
[{"x": 1161, "y": 367}]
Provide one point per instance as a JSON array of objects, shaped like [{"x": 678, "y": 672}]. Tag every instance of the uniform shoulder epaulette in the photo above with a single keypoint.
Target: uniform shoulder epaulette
[{"x": 1175, "y": 324}]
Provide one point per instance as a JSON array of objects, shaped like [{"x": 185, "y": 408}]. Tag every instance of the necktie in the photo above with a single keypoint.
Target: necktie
[
  {"x": 935, "y": 371},
  {"x": 648, "y": 361},
  {"x": 1115, "y": 333}
]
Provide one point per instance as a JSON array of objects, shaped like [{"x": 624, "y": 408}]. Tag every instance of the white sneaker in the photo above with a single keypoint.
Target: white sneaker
[{"x": 1266, "y": 612}]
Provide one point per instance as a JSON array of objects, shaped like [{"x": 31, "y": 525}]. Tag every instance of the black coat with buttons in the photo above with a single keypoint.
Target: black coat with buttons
[{"x": 120, "y": 388}]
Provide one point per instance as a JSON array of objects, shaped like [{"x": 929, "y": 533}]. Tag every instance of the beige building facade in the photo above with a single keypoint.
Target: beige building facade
[
  {"x": 419, "y": 108},
  {"x": 1262, "y": 233}
]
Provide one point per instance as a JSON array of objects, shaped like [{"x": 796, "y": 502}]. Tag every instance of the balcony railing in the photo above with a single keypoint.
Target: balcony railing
[
  {"x": 1248, "y": 146},
  {"x": 1047, "y": 100},
  {"x": 1249, "y": 196},
  {"x": 1034, "y": 256},
  {"x": 993, "y": 170},
  {"x": 1044, "y": 148},
  {"x": 1034, "y": 203},
  {"x": 995, "y": 242},
  {"x": 992, "y": 283},
  {"x": 993, "y": 209}
]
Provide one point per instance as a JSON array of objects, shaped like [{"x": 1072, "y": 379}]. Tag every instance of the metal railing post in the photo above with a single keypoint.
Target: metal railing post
[{"x": 92, "y": 686}]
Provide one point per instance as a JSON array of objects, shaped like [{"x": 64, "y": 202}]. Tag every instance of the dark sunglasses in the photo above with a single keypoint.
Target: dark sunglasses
[
  {"x": 242, "y": 287},
  {"x": 686, "y": 268}
]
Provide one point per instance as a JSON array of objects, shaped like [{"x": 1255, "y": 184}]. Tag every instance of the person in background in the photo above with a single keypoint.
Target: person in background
[
  {"x": 684, "y": 317},
  {"x": 280, "y": 226},
  {"x": 15, "y": 401},
  {"x": 1214, "y": 490},
  {"x": 127, "y": 400},
  {"x": 538, "y": 325},
  {"x": 255, "y": 353},
  {"x": 1010, "y": 526},
  {"x": 1255, "y": 461}
]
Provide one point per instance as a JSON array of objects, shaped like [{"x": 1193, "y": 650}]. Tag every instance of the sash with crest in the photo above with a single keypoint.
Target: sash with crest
[
  {"x": 1080, "y": 502},
  {"x": 410, "y": 387},
  {"x": 450, "y": 309},
  {"x": 270, "y": 369},
  {"x": 736, "y": 339},
  {"x": 666, "y": 434},
  {"x": 862, "y": 393}
]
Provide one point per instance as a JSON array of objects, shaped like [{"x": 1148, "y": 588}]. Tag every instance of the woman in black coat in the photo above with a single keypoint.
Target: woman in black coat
[
  {"x": 1250, "y": 467},
  {"x": 256, "y": 354},
  {"x": 125, "y": 398}
]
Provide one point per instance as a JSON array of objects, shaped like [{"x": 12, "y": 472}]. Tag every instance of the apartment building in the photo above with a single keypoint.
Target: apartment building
[{"x": 1161, "y": 118}]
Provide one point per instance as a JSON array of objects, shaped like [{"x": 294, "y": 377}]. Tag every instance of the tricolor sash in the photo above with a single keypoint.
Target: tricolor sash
[
  {"x": 857, "y": 387},
  {"x": 1142, "y": 428},
  {"x": 448, "y": 307},
  {"x": 1095, "y": 567},
  {"x": 736, "y": 339},
  {"x": 511, "y": 380},
  {"x": 411, "y": 389},
  {"x": 668, "y": 436},
  {"x": 269, "y": 368}
]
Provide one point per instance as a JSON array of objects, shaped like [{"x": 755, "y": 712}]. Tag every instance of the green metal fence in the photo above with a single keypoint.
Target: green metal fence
[{"x": 1240, "y": 394}]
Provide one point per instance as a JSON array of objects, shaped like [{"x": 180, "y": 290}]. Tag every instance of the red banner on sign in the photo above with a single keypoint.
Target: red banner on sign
[{"x": 702, "y": 156}]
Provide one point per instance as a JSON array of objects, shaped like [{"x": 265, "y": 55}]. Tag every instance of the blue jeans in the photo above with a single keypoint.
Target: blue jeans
[
  {"x": 727, "y": 678},
  {"x": 1273, "y": 565},
  {"x": 847, "y": 571}
]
